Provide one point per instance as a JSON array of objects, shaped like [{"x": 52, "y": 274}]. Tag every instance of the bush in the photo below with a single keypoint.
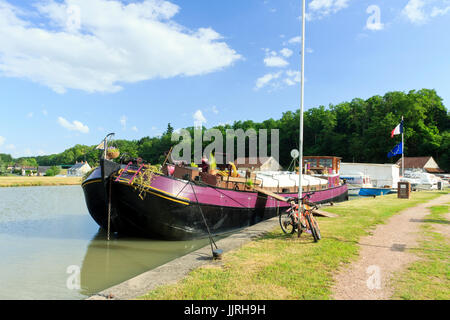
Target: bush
[{"x": 53, "y": 171}]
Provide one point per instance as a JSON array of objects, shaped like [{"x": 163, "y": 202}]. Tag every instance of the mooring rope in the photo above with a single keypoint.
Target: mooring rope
[
  {"x": 109, "y": 207},
  {"x": 211, "y": 240}
]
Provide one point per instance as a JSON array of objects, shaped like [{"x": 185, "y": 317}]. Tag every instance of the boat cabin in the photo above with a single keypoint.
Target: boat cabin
[
  {"x": 326, "y": 167},
  {"x": 321, "y": 164}
]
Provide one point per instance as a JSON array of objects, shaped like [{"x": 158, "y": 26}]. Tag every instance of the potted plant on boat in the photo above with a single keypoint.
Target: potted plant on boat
[{"x": 112, "y": 153}]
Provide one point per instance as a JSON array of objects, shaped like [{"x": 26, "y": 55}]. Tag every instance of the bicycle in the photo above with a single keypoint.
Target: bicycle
[{"x": 291, "y": 221}]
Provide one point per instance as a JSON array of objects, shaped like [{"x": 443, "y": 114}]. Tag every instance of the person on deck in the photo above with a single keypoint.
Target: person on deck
[{"x": 204, "y": 165}]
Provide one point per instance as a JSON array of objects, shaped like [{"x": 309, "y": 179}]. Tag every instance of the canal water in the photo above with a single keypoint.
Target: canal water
[{"x": 50, "y": 247}]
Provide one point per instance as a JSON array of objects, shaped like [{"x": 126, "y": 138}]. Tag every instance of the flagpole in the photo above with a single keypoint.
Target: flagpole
[
  {"x": 302, "y": 100},
  {"x": 403, "y": 150}
]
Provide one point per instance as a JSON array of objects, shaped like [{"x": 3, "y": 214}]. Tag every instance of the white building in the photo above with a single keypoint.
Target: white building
[
  {"x": 381, "y": 175},
  {"x": 79, "y": 169}
]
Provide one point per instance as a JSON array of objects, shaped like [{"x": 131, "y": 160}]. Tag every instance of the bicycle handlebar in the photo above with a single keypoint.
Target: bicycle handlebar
[{"x": 306, "y": 196}]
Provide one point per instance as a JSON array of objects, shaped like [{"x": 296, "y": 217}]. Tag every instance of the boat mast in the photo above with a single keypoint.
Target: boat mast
[{"x": 302, "y": 100}]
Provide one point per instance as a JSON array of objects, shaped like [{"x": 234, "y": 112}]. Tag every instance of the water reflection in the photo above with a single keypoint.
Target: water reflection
[
  {"x": 107, "y": 263},
  {"x": 45, "y": 230}
]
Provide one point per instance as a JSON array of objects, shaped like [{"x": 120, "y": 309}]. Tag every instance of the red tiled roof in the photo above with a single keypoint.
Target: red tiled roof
[{"x": 414, "y": 162}]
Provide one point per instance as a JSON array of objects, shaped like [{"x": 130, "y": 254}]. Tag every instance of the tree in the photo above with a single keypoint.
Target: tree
[
  {"x": 2, "y": 167},
  {"x": 169, "y": 130},
  {"x": 356, "y": 130}
]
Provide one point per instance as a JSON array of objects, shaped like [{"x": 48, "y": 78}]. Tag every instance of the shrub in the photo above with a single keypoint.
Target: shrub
[{"x": 53, "y": 171}]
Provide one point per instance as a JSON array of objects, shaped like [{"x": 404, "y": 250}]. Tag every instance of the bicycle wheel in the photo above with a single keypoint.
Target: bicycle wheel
[
  {"x": 312, "y": 228},
  {"x": 287, "y": 223},
  {"x": 316, "y": 226}
]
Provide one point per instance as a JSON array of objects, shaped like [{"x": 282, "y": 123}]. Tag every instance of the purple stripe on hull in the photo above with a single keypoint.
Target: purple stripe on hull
[
  {"x": 232, "y": 198},
  {"x": 224, "y": 197}
]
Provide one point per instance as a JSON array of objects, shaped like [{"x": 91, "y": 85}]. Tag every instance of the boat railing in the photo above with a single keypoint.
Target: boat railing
[{"x": 278, "y": 187}]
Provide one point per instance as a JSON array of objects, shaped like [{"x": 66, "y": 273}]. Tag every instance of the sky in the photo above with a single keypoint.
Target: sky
[{"x": 73, "y": 71}]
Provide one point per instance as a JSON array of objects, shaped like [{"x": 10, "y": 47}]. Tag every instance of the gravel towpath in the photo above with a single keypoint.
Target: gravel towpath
[{"x": 383, "y": 253}]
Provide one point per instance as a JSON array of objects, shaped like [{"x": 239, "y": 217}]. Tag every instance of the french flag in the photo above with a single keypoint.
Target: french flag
[{"x": 398, "y": 130}]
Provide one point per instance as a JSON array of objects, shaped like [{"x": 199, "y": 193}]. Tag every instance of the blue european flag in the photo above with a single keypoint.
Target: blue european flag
[{"x": 398, "y": 149}]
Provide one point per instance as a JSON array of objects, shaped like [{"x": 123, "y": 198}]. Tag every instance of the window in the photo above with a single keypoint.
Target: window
[
  {"x": 326, "y": 163},
  {"x": 311, "y": 162}
]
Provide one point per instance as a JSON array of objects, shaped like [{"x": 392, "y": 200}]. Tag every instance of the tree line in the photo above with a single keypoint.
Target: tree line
[{"x": 357, "y": 130}]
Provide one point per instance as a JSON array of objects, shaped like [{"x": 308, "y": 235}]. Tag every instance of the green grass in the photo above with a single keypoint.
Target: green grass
[
  {"x": 278, "y": 266},
  {"x": 428, "y": 278},
  {"x": 18, "y": 181}
]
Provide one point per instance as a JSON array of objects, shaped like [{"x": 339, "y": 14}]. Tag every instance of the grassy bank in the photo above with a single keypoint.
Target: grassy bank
[
  {"x": 428, "y": 278},
  {"x": 38, "y": 181},
  {"x": 286, "y": 267}
]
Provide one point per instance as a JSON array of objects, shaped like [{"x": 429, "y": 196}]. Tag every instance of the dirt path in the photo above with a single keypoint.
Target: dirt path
[{"x": 382, "y": 254}]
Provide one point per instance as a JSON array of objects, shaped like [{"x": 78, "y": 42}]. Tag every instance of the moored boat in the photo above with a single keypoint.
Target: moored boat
[
  {"x": 188, "y": 204},
  {"x": 370, "y": 192},
  {"x": 356, "y": 182},
  {"x": 421, "y": 180}
]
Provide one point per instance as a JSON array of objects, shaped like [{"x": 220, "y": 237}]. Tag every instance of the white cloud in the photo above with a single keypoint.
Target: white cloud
[
  {"x": 8, "y": 146},
  {"x": 375, "y": 26},
  {"x": 73, "y": 126},
  {"x": 266, "y": 79},
  {"x": 275, "y": 61},
  {"x": 115, "y": 43},
  {"x": 292, "y": 77},
  {"x": 45, "y": 112},
  {"x": 439, "y": 11},
  {"x": 30, "y": 115},
  {"x": 123, "y": 122},
  {"x": 295, "y": 40},
  {"x": 285, "y": 52},
  {"x": 135, "y": 129},
  {"x": 278, "y": 80},
  {"x": 215, "y": 110},
  {"x": 361, "y": 35},
  {"x": 421, "y": 11},
  {"x": 322, "y": 8},
  {"x": 199, "y": 118},
  {"x": 414, "y": 11}
]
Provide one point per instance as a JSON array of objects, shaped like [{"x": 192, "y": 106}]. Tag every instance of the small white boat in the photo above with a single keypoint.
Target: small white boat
[
  {"x": 421, "y": 180},
  {"x": 356, "y": 182}
]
